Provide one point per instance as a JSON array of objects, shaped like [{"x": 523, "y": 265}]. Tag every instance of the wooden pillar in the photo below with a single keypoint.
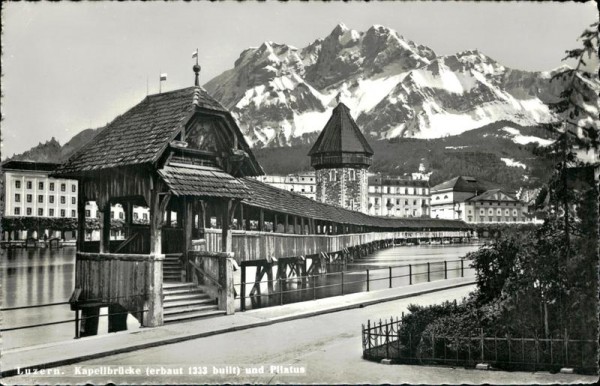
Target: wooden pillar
[
  {"x": 261, "y": 220},
  {"x": 105, "y": 228},
  {"x": 80, "y": 217},
  {"x": 89, "y": 321},
  {"x": 248, "y": 226},
  {"x": 275, "y": 222},
  {"x": 188, "y": 222},
  {"x": 241, "y": 221},
  {"x": 286, "y": 224},
  {"x": 117, "y": 318},
  {"x": 226, "y": 214},
  {"x": 169, "y": 214},
  {"x": 302, "y": 230}
]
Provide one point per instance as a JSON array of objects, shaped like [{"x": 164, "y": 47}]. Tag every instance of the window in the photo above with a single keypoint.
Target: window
[
  {"x": 73, "y": 200},
  {"x": 29, "y": 198},
  {"x": 121, "y": 215},
  {"x": 88, "y": 213},
  {"x": 63, "y": 200},
  {"x": 17, "y": 197},
  {"x": 41, "y": 198},
  {"x": 73, "y": 188},
  {"x": 29, "y": 185},
  {"x": 17, "y": 211},
  {"x": 514, "y": 212},
  {"x": 41, "y": 186},
  {"x": 63, "y": 188},
  {"x": 62, "y": 213},
  {"x": 29, "y": 211},
  {"x": 145, "y": 216},
  {"x": 414, "y": 202},
  {"x": 112, "y": 214},
  {"x": 135, "y": 216},
  {"x": 73, "y": 213},
  {"x": 445, "y": 196},
  {"x": 397, "y": 201},
  {"x": 405, "y": 202},
  {"x": 40, "y": 212},
  {"x": 506, "y": 212},
  {"x": 52, "y": 186},
  {"x": 437, "y": 197},
  {"x": 18, "y": 184},
  {"x": 51, "y": 199},
  {"x": 51, "y": 212},
  {"x": 490, "y": 211},
  {"x": 481, "y": 212}
]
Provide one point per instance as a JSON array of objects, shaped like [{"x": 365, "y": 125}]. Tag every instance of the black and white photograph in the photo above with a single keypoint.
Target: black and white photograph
[{"x": 299, "y": 192}]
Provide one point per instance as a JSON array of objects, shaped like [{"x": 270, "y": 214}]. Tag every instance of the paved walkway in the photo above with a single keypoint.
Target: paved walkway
[{"x": 74, "y": 351}]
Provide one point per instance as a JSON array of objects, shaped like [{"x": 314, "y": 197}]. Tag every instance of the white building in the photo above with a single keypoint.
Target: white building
[
  {"x": 30, "y": 192},
  {"x": 398, "y": 196},
  {"x": 475, "y": 201},
  {"x": 302, "y": 183}
]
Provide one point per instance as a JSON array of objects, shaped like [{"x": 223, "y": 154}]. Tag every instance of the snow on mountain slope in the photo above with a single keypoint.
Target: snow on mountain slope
[{"x": 281, "y": 94}]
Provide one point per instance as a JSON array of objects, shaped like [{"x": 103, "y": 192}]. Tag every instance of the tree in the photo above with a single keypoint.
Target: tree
[{"x": 578, "y": 128}]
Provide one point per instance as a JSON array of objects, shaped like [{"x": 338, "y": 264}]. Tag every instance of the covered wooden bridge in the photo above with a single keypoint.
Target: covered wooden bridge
[{"x": 182, "y": 155}]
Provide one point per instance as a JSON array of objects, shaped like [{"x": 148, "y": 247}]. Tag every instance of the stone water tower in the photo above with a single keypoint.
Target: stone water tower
[{"x": 341, "y": 157}]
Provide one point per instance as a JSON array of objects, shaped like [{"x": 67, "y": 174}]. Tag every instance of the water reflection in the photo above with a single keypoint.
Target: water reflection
[{"x": 40, "y": 276}]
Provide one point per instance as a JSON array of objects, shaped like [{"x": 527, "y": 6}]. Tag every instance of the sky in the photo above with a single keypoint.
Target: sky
[{"x": 71, "y": 66}]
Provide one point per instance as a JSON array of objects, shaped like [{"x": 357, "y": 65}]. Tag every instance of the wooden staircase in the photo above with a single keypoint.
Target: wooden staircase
[{"x": 183, "y": 301}]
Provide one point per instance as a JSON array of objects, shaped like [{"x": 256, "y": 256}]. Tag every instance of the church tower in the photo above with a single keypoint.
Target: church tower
[{"x": 341, "y": 156}]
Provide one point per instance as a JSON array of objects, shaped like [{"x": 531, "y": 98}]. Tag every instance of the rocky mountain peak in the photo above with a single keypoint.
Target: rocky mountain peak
[{"x": 395, "y": 87}]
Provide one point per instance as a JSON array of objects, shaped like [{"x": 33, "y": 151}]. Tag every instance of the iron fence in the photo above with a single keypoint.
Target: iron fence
[
  {"x": 386, "y": 340},
  {"x": 311, "y": 287}
]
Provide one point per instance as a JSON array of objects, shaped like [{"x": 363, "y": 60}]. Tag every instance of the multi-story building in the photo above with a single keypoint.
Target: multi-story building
[
  {"x": 476, "y": 201},
  {"x": 398, "y": 197},
  {"x": 341, "y": 157},
  {"x": 31, "y": 192},
  {"x": 302, "y": 183}
]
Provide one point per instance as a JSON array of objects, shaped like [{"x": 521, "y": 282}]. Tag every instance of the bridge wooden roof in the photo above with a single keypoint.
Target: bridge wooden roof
[
  {"x": 274, "y": 199},
  {"x": 142, "y": 134},
  {"x": 202, "y": 181}
]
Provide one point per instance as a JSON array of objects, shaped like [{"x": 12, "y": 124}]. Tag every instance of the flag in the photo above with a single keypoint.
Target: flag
[
  {"x": 195, "y": 54},
  {"x": 163, "y": 77}
]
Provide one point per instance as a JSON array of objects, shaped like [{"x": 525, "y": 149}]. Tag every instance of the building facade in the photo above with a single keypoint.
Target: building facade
[
  {"x": 398, "y": 197},
  {"x": 341, "y": 157},
  {"x": 31, "y": 192},
  {"x": 302, "y": 183},
  {"x": 475, "y": 201}
]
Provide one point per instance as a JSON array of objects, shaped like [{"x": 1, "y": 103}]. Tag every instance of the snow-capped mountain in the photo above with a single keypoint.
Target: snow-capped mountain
[{"x": 282, "y": 95}]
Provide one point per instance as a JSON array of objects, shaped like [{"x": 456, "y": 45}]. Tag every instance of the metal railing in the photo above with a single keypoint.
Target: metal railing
[
  {"x": 385, "y": 340},
  {"x": 308, "y": 286}
]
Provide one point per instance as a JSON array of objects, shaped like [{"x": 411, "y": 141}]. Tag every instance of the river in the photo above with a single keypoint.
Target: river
[{"x": 42, "y": 276}]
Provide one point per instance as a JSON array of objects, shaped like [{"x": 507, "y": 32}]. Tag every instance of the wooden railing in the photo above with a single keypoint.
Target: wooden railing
[
  {"x": 133, "y": 281},
  {"x": 213, "y": 271},
  {"x": 255, "y": 245}
]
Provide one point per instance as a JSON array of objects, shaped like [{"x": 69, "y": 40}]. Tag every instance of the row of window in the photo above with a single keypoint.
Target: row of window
[
  {"x": 63, "y": 187},
  {"x": 29, "y": 198},
  {"x": 398, "y": 201},
  {"x": 390, "y": 190},
  {"x": 498, "y": 212},
  {"x": 121, "y": 215},
  {"x": 40, "y": 212},
  {"x": 494, "y": 219}
]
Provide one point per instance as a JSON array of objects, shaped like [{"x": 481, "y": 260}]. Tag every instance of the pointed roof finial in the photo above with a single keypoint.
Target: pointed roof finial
[
  {"x": 338, "y": 97},
  {"x": 196, "y": 69}
]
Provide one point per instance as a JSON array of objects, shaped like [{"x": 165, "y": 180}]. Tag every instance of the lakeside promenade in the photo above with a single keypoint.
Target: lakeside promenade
[{"x": 321, "y": 337}]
